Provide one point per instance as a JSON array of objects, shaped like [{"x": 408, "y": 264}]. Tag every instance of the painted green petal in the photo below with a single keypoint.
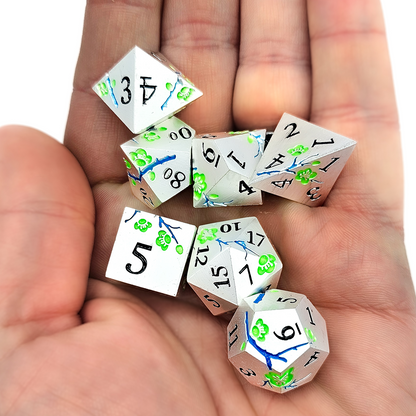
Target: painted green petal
[
  {"x": 136, "y": 226},
  {"x": 263, "y": 260},
  {"x": 179, "y": 249},
  {"x": 162, "y": 128},
  {"x": 141, "y": 152},
  {"x": 152, "y": 176},
  {"x": 316, "y": 163},
  {"x": 140, "y": 162},
  {"x": 214, "y": 196},
  {"x": 169, "y": 86},
  {"x": 168, "y": 239},
  {"x": 142, "y": 221},
  {"x": 304, "y": 181},
  {"x": 313, "y": 175},
  {"x": 133, "y": 182},
  {"x": 164, "y": 247},
  {"x": 128, "y": 164},
  {"x": 255, "y": 331}
]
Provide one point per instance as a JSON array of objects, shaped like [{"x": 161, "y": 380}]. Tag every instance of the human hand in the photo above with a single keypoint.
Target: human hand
[{"x": 134, "y": 352}]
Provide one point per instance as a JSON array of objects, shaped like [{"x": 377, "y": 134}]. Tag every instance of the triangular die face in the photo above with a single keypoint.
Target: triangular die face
[
  {"x": 217, "y": 277},
  {"x": 309, "y": 184},
  {"x": 233, "y": 189},
  {"x": 296, "y": 143},
  {"x": 142, "y": 91},
  {"x": 242, "y": 152}
]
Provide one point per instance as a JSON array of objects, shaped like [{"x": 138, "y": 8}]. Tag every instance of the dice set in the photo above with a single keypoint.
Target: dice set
[{"x": 277, "y": 340}]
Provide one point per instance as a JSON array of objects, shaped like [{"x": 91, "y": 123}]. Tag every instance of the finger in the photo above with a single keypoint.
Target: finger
[
  {"x": 111, "y": 29},
  {"x": 47, "y": 230},
  {"x": 353, "y": 95},
  {"x": 274, "y": 65},
  {"x": 201, "y": 39}
]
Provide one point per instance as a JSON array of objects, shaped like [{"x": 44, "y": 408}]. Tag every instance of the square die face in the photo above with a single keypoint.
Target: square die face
[{"x": 150, "y": 251}]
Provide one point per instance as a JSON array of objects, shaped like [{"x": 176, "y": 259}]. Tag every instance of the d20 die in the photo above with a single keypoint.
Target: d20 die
[
  {"x": 302, "y": 161},
  {"x": 144, "y": 88},
  {"x": 150, "y": 251},
  {"x": 231, "y": 260},
  {"x": 159, "y": 161},
  {"x": 277, "y": 340},
  {"x": 222, "y": 166}
]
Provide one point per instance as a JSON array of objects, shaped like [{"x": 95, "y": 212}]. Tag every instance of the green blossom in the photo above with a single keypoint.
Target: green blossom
[
  {"x": 199, "y": 185},
  {"x": 280, "y": 381},
  {"x": 298, "y": 150},
  {"x": 260, "y": 330},
  {"x": 207, "y": 234},
  {"x": 163, "y": 240},
  {"x": 150, "y": 136},
  {"x": 266, "y": 264},
  {"x": 185, "y": 93},
  {"x": 140, "y": 157},
  {"x": 304, "y": 176},
  {"x": 142, "y": 225}
]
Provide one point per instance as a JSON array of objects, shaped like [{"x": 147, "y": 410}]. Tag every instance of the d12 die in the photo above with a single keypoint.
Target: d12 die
[
  {"x": 144, "y": 88},
  {"x": 222, "y": 166},
  {"x": 161, "y": 157},
  {"x": 302, "y": 161},
  {"x": 277, "y": 340},
  {"x": 231, "y": 260},
  {"x": 150, "y": 251}
]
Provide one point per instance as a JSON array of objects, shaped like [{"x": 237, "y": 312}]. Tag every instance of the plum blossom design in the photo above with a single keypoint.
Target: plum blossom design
[
  {"x": 207, "y": 234},
  {"x": 305, "y": 176},
  {"x": 163, "y": 240},
  {"x": 142, "y": 225},
  {"x": 185, "y": 93},
  {"x": 280, "y": 381},
  {"x": 266, "y": 264},
  {"x": 298, "y": 150},
  {"x": 199, "y": 185},
  {"x": 260, "y": 330},
  {"x": 140, "y": 157}
]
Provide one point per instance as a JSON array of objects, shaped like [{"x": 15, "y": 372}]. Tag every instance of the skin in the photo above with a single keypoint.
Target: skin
[{"x": 73, "y": 344}]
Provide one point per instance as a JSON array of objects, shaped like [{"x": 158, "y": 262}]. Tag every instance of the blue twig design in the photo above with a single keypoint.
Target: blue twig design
[
  {"x": 135, "y": 212},
  {"x": 169, "y": 228},
  {"x": 178, "y": 81}
]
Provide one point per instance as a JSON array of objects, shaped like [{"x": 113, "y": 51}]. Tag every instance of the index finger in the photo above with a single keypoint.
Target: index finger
[{"x": 111, "y": 29}]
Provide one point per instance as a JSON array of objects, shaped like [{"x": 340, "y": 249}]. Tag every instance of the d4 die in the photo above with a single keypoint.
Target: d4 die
[
  {"x": 150, "y": 251},
  {"x": 144, "y": 88},
  {"x": 302, "y": 161},
  {"x": 231, "y": 260},
  {"x": 277, "y": 340},
  {"x": 222, "y": 165},
  {"x": 159, "y": 161}
]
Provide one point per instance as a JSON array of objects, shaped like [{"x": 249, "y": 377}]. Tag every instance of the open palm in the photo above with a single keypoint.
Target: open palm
[{"x": 70, "y": 345}]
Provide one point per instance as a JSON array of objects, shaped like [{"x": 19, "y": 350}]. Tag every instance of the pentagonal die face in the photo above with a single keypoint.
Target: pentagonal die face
[
  {"x": 150, "y": 251},
  {"x": 302, "y": 161},
  {"x": 159, "y": 161},
  {"x": 143, "y": 89},
  {"x": 231, "y": 260},
  {"x": 277, "y": 340},
  {"x": 222, "y": 166}
]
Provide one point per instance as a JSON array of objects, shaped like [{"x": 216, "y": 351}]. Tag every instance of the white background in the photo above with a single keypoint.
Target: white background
[{"x": 39, "y": 44}]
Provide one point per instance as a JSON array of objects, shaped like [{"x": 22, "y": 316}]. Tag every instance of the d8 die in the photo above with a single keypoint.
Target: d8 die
[
  {"x": 302, "y": 161},
  {"x": 144, "y": 88},
  {"x": 161, "y": 157},
  {"x": 231, "y": 260},
  {"x": 150, "y": 251},
  {"x": 277, "y": 340},
  {"x": 222, "y": 166}
]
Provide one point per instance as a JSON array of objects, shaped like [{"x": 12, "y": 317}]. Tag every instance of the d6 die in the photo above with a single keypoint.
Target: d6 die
[
  {"x": 161, "y": 157},
  {"x": 302, "y": 161},
  {"x": 144, "y": 88},
  {"x": 232, "y": 260},
  {"x": 150, "y": 251},
  {"x": 277, "y": 340},
  {"x": 222, "y": 166}
]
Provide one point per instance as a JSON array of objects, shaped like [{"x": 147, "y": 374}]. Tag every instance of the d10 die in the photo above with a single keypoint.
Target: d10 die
[
  {"x": 277, "y": 340},
  {"x": 144, "y": 88},
  {"x": 231, "y": 260},
  {"x": 302, "y": 161},
  {"x": 161, "y": 157},
  {"x": 222, "y": 166},
  {"x": 150, "y": 251}
]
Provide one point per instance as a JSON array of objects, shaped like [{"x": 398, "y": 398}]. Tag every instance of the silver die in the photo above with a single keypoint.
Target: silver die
[{"x": 277, "y": 340}]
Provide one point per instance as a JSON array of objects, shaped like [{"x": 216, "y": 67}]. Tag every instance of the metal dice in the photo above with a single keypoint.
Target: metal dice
[
  {"x": 158, "y": 161},
  {"x": 222, "y": 166},
  {"x": 150, "y": 251},
  {"x": 230, "y": 261},
  {"x": 277, "y": 340},
  {"x": 302, "y": 161},
  {"x": 144, "y": 88}
]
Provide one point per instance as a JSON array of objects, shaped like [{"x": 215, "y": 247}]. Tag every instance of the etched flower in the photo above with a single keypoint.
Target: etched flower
[
  {"x": 142, "y": 225},
  {"x": 304, "y": 176},
  {"x": 260, "y": 330},
  {"x": 185, "y": 93},
  {"x": 280, "y": 381},
  {"x": 199, "y": 185},
  {"x": 207, "y": 234},
  {"x": 140, "y": 157},
  {"x": 151, "y": 136},
  {"x": 266, "y": 264},
  {"x": 163, "y": 240},
  {"x": 298, "y": 150}
]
